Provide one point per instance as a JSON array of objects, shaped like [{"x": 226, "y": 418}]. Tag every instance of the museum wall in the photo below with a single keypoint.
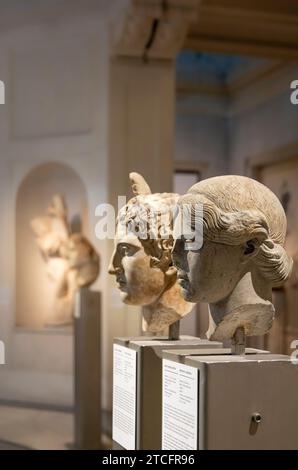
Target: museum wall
[
  {"x": 141, "y": 137},
  {"x": 232, "y": 127},
  {"x": 201, "y": 138},
  {"x": 263, "y": 122},
  {"x": 55, "y": 114},
  {"x": 71, "y": 102}
]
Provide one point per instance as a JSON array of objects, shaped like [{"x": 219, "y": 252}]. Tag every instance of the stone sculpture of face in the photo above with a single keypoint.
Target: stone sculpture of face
[
  {"x": 142, "y": 264},
  {"x": 242, "y": 255},
  {"x": 210, "y": 273},
  {"x": 139, "y": 282}
]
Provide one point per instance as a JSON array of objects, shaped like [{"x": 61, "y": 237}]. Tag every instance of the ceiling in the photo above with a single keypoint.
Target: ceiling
[
  {"x": 19, "y": 13},
  {"x": 261, "y": 28},
  {"x": 264, "y": 28},
  {"x": 221, "y": 66}
]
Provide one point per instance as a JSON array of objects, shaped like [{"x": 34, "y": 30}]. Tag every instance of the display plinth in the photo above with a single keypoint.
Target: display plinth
[
  {"x": 137, "y": 388},
  {"x": 87, "y": 370},
  {"x": 229, "y": 402}
]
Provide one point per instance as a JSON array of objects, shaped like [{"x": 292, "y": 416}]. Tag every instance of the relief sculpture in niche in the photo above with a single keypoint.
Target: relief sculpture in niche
[
  {"x": 71, "y": 261},
  {"x": 142, "y": 261},
  {"x": 242, "y": 256}
]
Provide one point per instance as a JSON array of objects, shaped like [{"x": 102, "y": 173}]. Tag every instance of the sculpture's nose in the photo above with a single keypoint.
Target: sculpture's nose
[
  {"x": 115, "y": 266},
  {"x": 175, "y": 253},
  {"x": 112, "y": 269}
]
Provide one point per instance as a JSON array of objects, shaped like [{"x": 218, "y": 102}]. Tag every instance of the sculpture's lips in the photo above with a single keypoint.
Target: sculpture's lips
[
  {"x": 182, "y": 276},
  {"x": 121, "y": 283},
  {"x": 182, "y": 279}
]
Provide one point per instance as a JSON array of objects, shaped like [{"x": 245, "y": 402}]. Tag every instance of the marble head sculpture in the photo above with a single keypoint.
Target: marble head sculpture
[
  {"x": 242, "y": 256},
  {"x": 142, "y": 261},
  {"x": 71, "y": 260}
]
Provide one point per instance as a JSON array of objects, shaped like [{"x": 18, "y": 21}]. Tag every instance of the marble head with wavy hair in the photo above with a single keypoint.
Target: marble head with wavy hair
[
  {"x": 142, "y": 261},
  {"x": 244, "y": 229},
  {"x": 237, "y": 209}
]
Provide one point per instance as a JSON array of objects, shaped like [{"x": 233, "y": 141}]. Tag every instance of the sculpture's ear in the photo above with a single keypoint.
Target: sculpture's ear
[
  {"x": 138, "y": 184},
  {"x": 167, "y": 244},
  {"x": 251, "y": 248}
]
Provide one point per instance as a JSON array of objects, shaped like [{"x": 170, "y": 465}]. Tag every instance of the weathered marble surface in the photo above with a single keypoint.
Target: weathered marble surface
[
  {"x": 71, "y": 260},
  {"x": 142, "y": 263},
  {"x": 242, "y": 257}
]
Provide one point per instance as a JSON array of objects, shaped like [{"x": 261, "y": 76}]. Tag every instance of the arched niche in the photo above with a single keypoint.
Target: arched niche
[{"x": 34, "y": 290}]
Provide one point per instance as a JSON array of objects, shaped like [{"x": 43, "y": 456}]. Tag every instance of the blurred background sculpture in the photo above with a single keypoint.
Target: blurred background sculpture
[
  {"x": 142, "y": 261},
  {"x": 71, "y": 260},
  {"x": 242, "y": 257}
]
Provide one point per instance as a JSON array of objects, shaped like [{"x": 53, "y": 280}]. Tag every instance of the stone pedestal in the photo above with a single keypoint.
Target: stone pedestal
[
  {"x": 139, "y": 363},
  {"x": 87, "y": 370},
  {"x": 229, "y": 402}
]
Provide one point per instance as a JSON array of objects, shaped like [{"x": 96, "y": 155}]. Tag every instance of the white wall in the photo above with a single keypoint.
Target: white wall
[
  {"x": 203, "y": 140},
  {"x": 265, "y": 128},
  {"x": 227, "y": 133},
  {"x": 69, "y": 102},
  {"x": 56, "y": 78}
]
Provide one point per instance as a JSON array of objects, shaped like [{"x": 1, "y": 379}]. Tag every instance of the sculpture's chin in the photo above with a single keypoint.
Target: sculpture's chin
[
  {"x": 129, "y": 299},
  {"x": 126, "y": 298},
  {"x": 137, "y": 297},
  {"x": 187, "y": 292},
  {"x": 187, "y": 295},
  {"x": 194, "y": 294}
]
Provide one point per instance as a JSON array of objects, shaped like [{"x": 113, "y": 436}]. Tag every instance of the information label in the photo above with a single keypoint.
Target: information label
[
  {"x": 124, "y": 396},
  {"x": 179, "y": 406}
]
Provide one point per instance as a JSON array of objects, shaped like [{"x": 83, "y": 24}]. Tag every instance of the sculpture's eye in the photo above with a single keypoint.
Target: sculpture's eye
[
  {"x": 190, "y": 243},
  {"x": 126, "y": 250},
  {"x": 249, "y": 247},
  {"x": 188, "y": 239}
]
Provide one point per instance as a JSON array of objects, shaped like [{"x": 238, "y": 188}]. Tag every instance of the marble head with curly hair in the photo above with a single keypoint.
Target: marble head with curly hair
[{"x": 142, "y": 261}]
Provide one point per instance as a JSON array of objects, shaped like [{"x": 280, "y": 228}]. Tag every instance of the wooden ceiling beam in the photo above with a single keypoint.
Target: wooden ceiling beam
[
  {"x": 241, "y": 47},
  {"x": 221, "y": 27}
]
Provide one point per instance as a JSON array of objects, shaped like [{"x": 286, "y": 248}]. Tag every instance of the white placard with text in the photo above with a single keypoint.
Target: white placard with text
[
  {"x": 124, "y": 396},
  {"x": 179, "y": 406}
]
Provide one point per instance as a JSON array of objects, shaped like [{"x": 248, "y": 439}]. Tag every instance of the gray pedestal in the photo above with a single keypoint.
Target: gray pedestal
[
  {"x": 87, "y": 370},
  {"x": 243, "y": 402},
  {"x": 148, "y": 390}
]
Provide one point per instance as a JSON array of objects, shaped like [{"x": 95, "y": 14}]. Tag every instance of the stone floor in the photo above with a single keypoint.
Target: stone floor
[
  {"x": 29, "y": 428},
  {"x": 25, "y": 426},
  {"x": 4, "y": 445}
]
